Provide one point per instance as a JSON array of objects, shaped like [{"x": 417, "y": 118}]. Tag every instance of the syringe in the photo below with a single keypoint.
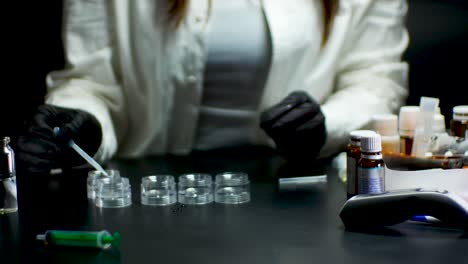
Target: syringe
[
  {"x": 58, "y": 133},
  {"x": 95, "y": 239}
]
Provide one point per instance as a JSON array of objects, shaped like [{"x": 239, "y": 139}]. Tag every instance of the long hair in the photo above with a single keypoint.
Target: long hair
[
  {"x": 178, "y": 8},
  {"x": 330, "y": 8}
]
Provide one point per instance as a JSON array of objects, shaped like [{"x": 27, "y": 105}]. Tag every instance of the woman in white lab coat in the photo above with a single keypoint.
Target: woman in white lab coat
[{"x": 154, "y": 77}]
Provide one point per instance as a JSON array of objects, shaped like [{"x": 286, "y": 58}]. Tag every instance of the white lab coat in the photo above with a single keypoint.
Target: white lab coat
[{"x": 142, "y": 78}]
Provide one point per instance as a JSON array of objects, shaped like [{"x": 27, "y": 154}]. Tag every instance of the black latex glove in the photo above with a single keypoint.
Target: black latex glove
[
  {"x": 297, "y": 125},
  {"x": 39, "y": 150}
]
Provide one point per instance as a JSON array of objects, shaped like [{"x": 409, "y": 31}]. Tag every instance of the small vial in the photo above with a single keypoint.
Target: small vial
[
  {"x": 353, "y": 154},
  {"x": 371, "y": 167},
  {"x": 8, "y": 197},
  {"x": 408, "y": 119},
  {"x": 387, "y": 127},
  {"x": 459, "y": 122}
]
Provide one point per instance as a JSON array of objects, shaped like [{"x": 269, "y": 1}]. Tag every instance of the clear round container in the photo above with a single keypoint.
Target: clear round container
[
  {"x": 158, "y": 190},
  {"x": 232, "y": 188},
  {"x": 92, "y": 180},
  {"x": 196, "y": 188},
  {"x": 113, "y": 192}
]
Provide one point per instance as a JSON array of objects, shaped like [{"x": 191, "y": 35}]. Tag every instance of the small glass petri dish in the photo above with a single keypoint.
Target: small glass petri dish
[
  {"x": 158, "y": 190},
  {"x": 92, "y": 180},
  {"x": 196, "y": 188},
  {"x": 232, "y": 188},
  {"x": 113, "y": 192}
]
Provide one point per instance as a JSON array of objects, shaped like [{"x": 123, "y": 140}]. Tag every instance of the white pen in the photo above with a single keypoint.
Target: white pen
[{"x": 301, "y": 183}]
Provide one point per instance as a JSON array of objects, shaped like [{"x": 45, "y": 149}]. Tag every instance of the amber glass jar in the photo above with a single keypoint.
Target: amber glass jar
[
  {"x": 459, "y": 122},
  {"x": 353, "y": 154},
  {"x": 371, "y": 166}
]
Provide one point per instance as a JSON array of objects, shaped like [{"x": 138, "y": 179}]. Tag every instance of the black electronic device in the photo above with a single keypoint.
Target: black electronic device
[{"x": 392, "y": 207}]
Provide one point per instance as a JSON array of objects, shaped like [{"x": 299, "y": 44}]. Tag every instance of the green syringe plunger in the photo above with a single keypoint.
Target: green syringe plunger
[{"x": 98, "y": 239}]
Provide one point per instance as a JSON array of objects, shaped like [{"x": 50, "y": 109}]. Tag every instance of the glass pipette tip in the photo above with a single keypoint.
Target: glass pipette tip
[{"x": 58, "y": 133}]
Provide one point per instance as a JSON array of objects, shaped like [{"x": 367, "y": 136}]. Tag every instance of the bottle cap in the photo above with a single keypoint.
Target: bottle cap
[
  {"x": 371, "y": 143},
  {"x": 408, "y": 118},
  {"x": 460, "y": 112},
  {"x": 439, "y": 124},
  {"x": 385, "y": 125},
  {"x": 355, "y": 136}
]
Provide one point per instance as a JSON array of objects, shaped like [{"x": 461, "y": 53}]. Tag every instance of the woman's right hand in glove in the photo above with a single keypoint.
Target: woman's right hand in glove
[{"x": 39, "y": 150}]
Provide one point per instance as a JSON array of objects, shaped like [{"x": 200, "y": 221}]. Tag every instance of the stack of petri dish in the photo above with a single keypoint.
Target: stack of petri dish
[
  {"x": 109, "y": 191},
  {"x": 93, "y": 176},
  {"x": 232, "y": 188},
  {"x": 196, "y": 188},
  {"x": 158, "y": 190}
]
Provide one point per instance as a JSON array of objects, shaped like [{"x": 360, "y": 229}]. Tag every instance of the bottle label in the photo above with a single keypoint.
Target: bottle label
[
  {"x": 351, "y": 175},
  {"x": 371, "y": 180}
]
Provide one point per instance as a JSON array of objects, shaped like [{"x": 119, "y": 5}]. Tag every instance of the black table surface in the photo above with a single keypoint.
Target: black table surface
[{"x": 274, "y": 227}]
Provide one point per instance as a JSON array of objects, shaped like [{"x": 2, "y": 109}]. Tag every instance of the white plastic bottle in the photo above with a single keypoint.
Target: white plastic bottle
[
  {"x": 439, "y": 123},
  {"x": 387, "y": 127},
  {"x": 408, "y": 118}
]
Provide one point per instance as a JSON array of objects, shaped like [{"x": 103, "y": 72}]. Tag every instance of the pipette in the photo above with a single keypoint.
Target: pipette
[
  {"x": 58, "y": 133},
  {"x": 94, "y": 239}
]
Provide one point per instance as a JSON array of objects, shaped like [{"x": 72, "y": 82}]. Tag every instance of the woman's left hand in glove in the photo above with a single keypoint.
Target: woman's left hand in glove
[{"x": 296, "y": 125}]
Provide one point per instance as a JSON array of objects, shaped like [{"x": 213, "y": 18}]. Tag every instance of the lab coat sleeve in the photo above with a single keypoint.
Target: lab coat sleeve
[
  {"x": 89, "y": 82},
  {"x": 371, "y": 78}
]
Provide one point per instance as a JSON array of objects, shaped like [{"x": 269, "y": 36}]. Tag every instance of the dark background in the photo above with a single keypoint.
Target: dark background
[
  {"x": 33, "y": 47},
  {"x": 438, "y": 52},
  {"x": 437, "y": 55}
]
